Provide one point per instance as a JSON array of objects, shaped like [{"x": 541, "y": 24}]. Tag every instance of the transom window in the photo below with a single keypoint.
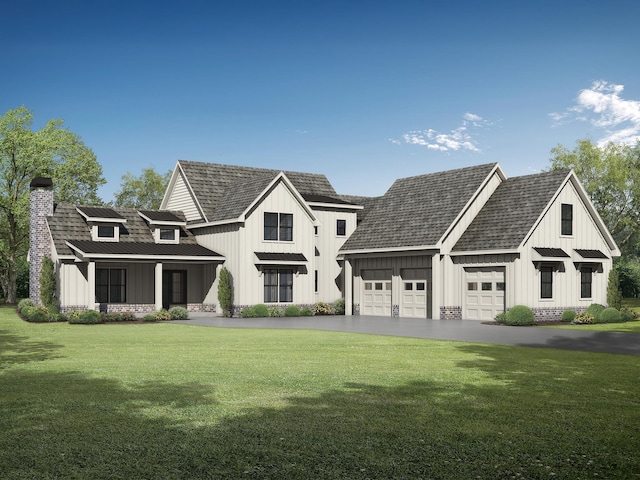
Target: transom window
[
  {"x": 567, "y": 219},
  {"x": 341, "y": 228},
  {"x": 111, "y": 285},
  {"x": 278, "y": 285},
  {"x": 278, "y": 226}
]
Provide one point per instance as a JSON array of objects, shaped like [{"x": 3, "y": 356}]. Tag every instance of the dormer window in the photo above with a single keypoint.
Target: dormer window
[
  {"x": 105, "y": 223},
  {"x": 165, "y": 225},
  {"x": 167, "y": 234},
  {"x": 106, "y": 231}
]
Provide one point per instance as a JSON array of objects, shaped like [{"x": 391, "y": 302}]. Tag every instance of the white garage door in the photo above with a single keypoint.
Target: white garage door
[
  {"x": 416, "y": 293},
  {"x": 484, "y": 292},
  {"x": 376, "y": 295}
]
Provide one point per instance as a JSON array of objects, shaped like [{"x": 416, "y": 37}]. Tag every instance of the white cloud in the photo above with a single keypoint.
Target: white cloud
[
  {"x": 458, "y": 139},
  {"x": 602, "y": 106}
]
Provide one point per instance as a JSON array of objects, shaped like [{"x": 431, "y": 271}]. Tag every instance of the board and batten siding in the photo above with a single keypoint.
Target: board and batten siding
[
  {"x": 566, "y": 285},
  {"x": 182, "y": 200}
]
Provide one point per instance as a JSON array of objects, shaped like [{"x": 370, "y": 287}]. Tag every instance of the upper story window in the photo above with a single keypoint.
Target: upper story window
[
  {"x": 106, "y": 232},
  {"x": 168, "y": 234},
  {"x": 566, "y": 225},
  {"x": 341, "y": 228},
  {"x": 278, "y": 226}
]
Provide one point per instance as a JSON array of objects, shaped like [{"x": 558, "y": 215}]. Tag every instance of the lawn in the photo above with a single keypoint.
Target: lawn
[{"x": 167, "y": 401}]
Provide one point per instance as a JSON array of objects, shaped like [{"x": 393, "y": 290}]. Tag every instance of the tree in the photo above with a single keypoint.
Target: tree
[
  {"x": 225, "y": 292},
  {"x": 48, "y": 283},
  {"x": 611, "y": 177},
  {"x": 143, "y": 192},
  {"x": 52, "y": 151},
  {"x": 614, "y": 295}
]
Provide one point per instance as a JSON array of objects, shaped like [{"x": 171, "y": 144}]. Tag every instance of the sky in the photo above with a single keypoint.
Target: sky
[{"x": 362, "y": 91}]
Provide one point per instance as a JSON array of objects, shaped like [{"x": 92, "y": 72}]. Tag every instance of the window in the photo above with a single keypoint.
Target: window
[
  {"x": 341, "y": 228},
  {"x": 500, "y": 286},
  {"x": 546, "y": 282},
  {"x": 106, "y": 231},
  {"x": 472, "y": 286},
  {"x": 408, "y": 286},
  {"x": 586, "y": 277},
  {"x": 167, "y": 234},
  {"x": 315, "y": 230},
  {"x": 420, "y": 286},
  {"x": 567, "y": 219},
  {"x": 278, "y": 285},
  {"x": 278, "y": 226},
  {"x": 111, "y": 285},
  {"x": 487, "y": 286},
  {"x": 316, "y": 282}
]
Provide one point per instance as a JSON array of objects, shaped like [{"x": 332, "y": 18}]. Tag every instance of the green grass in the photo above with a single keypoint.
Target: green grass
[
  {"x": 168, "y": 401},
  {"x": 601, "y": 327}
]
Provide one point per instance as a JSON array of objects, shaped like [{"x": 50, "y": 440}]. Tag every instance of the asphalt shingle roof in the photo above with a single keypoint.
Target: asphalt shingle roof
[
  {"x": 416, "y": 211},
  {"x": 225, "y": 191},
  {"x": 511, "y": 211}
]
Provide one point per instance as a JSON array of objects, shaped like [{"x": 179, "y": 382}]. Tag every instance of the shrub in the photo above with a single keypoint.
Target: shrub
[
  {"x": 501, "y": 318},
  {"x": 61, "y": 317},
  {"x": 321, "y": 308},
  {"x": 276, "y": 312},
  {"x": 178, "y": 313},
  {"x": 247, "y": 313},
  {"x": 306, "y": 312},
  {"x": 584, "y": 318},
  {"x": 628, "y": 314},
  {"x": 162, "y": 315},
  {"x": 260, "y": 310},
  {"x": 338, "y": 306},
  {"x": 87, "y": 317},
  {"x": 149, "y": 317},
  {"x": 26, "y": 311},
  {"x": 39, "y": 315},
  {"x": 519, "y": 315},
  {"x": 24, "y": 303},
  {"x": 614, "y": 294},
  {"x": 594, "y": 310},
  {"x": 568, "y": 315},
  {"x": 47, "y": 282},
  {"x": 292, "y": 311},
  {"x": 111, "y": 317},
  {"x": 73, "y": 315},
  {"x": 128, "y": 316},
  {"x": 225, "y": 292},
  {"x": 609, "y": 315}
]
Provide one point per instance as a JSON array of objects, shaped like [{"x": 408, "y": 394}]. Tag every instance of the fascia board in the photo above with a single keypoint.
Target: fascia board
[
  {"x": 389, "y": 250},
  {"x": 339, "y": 206},
  {"x": 483, "y": 252}
]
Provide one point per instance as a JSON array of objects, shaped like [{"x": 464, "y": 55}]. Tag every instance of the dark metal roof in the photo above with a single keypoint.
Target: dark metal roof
[
  {"x": 326, "y": 199},
  {"x": 100, "y": 212},
  {"x": 551, "y": 252},
  {"x": 161, "y": 216},
  {"x": 417, "y": 211},
  {"x": 590, "y": 253},
  {"x": 280, "y": 257},
  {"x": 118, "y": 249},
  {"x": 511, "y": 212}
]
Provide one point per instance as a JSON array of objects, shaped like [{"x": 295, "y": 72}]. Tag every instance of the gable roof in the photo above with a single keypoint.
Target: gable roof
[
  {"x": 225, "y": 191},
  {"x": 417, "y": 211},
  {"x": 511, "y": 212}
]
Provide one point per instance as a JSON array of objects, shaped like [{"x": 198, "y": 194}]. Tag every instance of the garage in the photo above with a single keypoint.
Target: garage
[
  {"x": 376, "y": 295},
  {"x": 416, "y": 293},
  {"x": 484, "y": 289}
]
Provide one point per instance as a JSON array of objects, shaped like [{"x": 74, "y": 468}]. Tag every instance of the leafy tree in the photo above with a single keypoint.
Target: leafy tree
[
  {"x": 225, "y": 291},
  {"x": 629, "y": 275},
  {"x": 53, "y": 151},
  {"x": 611, "y": 177},
  {"x": 48, "y": 283},
  {"x": 145, "y": 191},
  {"x": 614, "y": 295}
]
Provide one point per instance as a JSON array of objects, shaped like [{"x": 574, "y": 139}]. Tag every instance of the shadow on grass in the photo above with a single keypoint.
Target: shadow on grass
[
  {"x": 626, "y": 343},
  {"x": 528, "y": 413},
  {"x": 15, "y": 350}
]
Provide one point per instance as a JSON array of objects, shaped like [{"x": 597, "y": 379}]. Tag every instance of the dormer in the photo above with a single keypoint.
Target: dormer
[
  {"x": 105, "y": 223},
  {"x": 166, "y": 226}
]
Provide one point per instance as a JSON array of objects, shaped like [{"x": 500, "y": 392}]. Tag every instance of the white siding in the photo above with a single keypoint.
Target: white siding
[{"x": 181, "y": 199}]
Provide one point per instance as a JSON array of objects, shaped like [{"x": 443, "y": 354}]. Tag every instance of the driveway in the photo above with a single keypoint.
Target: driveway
[{"x": 457, "y": 330}]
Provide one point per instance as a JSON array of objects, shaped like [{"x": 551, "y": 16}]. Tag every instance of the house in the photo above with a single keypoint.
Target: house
[{"x": 465, "y": 243}]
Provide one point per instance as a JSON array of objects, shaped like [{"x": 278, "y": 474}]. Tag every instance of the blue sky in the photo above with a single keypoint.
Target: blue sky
[{"x": 364, "y": 92}]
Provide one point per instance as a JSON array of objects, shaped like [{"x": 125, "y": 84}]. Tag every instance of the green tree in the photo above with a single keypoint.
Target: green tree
[
  {"x": 614, "y": 295},
  {"x": 144, "y": 192},
  {"x": 611, "y": 177},
  {"x": 53, "y": 151},
  {"x": 48, "y": 283},
  {"x": 629, "y": 274},
  {"x": 225, "y": 292}
]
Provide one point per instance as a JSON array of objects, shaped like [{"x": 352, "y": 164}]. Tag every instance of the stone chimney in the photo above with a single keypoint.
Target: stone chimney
[{"x": 41, "y": 206}]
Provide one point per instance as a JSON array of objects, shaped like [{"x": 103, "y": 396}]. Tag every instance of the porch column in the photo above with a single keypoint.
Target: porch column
[
  {"x": 348, "y": 288},
  {"x": 91, "y": 285},
  {"x": 436, "y": 286},
  {"x": 158, "y": 284}
]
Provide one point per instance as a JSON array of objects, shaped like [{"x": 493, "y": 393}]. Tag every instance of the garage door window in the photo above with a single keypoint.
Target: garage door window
[
  {"x": 420, "y": 285},
  {"x": 487, "y": 286},
  {"x": 500, "y": 286},
  {"x": 408, "y": 286},
  {"x": 472, "y": 286}
]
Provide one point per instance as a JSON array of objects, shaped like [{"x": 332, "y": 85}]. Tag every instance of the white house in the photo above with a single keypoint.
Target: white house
[{"x": 466, "y": 243}]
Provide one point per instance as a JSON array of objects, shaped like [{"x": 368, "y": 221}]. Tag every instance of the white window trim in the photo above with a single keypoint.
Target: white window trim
[
  {"x": 96, "y": 238},
  {"x": 176, "y": 235}
]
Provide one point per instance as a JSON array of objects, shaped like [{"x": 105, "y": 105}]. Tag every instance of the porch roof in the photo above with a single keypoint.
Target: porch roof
[{"x": 142, "y": 250}]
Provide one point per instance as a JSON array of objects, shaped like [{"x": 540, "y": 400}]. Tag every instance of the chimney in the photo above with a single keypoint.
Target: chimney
[{"x": 41, "y": 206}]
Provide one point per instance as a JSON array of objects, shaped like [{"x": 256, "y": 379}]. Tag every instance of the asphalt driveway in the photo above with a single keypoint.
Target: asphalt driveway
[{"x": 457, "y": 330}]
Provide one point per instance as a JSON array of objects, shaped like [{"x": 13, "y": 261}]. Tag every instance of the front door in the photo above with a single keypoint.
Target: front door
[{"x": 174, "y": 288}]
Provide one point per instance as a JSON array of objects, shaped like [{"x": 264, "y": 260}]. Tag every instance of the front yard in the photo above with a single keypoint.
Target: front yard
[{"x": 174, "y": 401}]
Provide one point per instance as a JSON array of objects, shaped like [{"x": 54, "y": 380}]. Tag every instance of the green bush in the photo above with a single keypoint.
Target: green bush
[
  {"x": 338, "y": 306},
  {"x": 225, "y": 292},
  {"x": 162, "y": 315},
  {"x": 24, "y": 303},
  {"x": 73, "y": 315},
  {"x": 584, "y": 318},
  {"x": 149, "y": 317},
  {"x": 247, "y": 313},
  {"x": 501, "y": 318},
  {"x": 568, "y": 315},
  {"x": 61, "y": 317},
  {"x": 306, "y": 312},
  {"x": 260, "y": 310},
  {"x": 322, "y": 308},
  {"x": 594, "y": 310},
  {"x": 276, "y": 312},
  {"x": 27, "y": 310},
  {"x": 178, "y": 313},
  {"x": 292, "y": 311},
  {"x": 47, "y": 282},
  {"x": 519, "y": 315},
  {"x": 628, "y": 314},
  {"x": 39, "y": 315},
  {"x": 111, "y": 317},
  {"x": 609, "y": 315},
  {"x": 87, "y": 317},
  {"x": 128, "y": 316}
]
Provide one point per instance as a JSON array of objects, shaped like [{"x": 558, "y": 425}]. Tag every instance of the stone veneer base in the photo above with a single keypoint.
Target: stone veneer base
[{"x": 451, "y": 313}]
